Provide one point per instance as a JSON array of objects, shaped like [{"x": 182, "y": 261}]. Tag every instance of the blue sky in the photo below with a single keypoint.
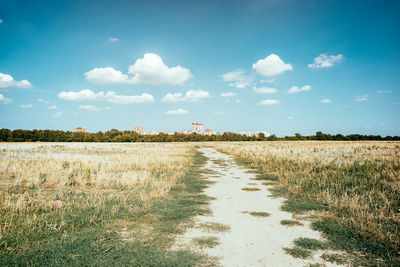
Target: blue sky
[{"x": 279, "y": 66}]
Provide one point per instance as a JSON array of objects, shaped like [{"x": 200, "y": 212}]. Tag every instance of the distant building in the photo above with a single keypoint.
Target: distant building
[
  {"x": 209, "y": 132},
  {"x": 197, "y": 127},
  {"x": 138, "y": 129},
  {"x": 79, "y": 130}
]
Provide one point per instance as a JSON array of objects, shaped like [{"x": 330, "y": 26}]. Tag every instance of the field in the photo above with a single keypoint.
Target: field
[
  {"x": 73, "y": 204},
  {"x": 352, "y": 187},
  {"x": 125, "y": 204}
]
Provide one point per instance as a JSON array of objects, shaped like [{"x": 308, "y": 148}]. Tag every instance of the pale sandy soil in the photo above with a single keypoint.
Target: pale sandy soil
[{"x": 251, "y": 241}]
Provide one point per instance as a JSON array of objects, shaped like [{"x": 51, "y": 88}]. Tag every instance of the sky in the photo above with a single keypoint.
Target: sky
[{"x": 281, "y": 66}]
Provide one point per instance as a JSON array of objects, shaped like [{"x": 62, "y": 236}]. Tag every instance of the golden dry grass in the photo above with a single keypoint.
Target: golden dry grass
[{"x": 150, "y": 169}]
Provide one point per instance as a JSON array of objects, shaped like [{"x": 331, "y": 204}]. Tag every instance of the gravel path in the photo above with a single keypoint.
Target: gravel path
[{"x": 251, "y": 240}]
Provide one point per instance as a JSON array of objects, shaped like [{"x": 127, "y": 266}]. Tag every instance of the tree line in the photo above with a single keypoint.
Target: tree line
[{"x": 115, "y": 135}]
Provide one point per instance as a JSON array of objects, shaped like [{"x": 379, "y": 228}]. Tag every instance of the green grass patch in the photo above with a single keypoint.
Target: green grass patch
[
  {"x": 214, "y": 227},
  {"x": 309, "y": 243},
  {"x": 259, "y": 213},
  {"x": 300, "y": 205},
  {"x": 206, "y": 241},
  {"x": 291, "y": 223},
  {"x": 250, "y": 189},
  {"x": 334, "y": 257},
  {"x": 298, "y": 252}
]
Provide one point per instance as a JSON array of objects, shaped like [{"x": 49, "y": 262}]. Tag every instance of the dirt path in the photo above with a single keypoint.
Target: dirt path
[{"x": 251, "y": 240}]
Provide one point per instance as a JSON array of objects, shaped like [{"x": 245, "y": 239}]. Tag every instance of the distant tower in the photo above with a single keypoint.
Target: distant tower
[{"x": 139, "y": 129}]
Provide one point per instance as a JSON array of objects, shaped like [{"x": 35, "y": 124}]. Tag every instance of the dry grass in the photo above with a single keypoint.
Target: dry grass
[
  {"x": 53, "y": 191},
  {"x": 151, "y": 169},
  {"x": 356, "y": 183}
]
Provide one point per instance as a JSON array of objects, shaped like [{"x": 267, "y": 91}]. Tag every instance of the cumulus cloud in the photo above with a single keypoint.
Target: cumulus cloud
[
  {"x": 106, "y": 75},
  {"x": 237, "y": 79},
  {"x": 296, "y": 89},
  {"x": 228, "y": 94},
  {"x": 5, "y": 100},
  {"x": 264, "y": 90},
  {"x": 271, "y": 65},
  {"x": 110, "y": 96},
  {"x": 26, "y": 106},
  {"x": 57, "y": 115},
  {"x": 190, "y": 96},
  {"x": 93, "y": 108},
  {"x": 361, "y": 98},
  {"x": 113, "y": 39},
  {"x": 150, "y": 69},
  {"x": 177, "y": 112},
  {"x": 268, "y": 102},
  {"x": 7, "y": 81},
  {"x": 325, "y": 100},
  {"x": 290, "y": 117},
  {"x": 325, "y": 61}
]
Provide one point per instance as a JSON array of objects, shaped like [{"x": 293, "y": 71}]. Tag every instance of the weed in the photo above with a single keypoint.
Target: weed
[
  {"x": 334, "y": 257},
  {"x": 250, "y": 189},
  {"x": 291, "y": 223},
  {"x": 297, "y": 252},
  {"x": 206, "y": 241},
  {"x": 214, "y": 227},
  {"x": 258, "y": 213},
  {"x": 309, "y": 243}
]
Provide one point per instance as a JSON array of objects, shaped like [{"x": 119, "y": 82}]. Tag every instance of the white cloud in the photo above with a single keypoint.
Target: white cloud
[
  {"x": 150, "y": 69},
  {"x": 267, "y": 81},
  {"x": 110, "y": 96},
  {"x": 177, "y": 112},
  {"x": 264, "y": 90},
  {"x": 228, "y": 94},
  {"x": 1, "y": 21},
  {"x": 52, "y": 107},
  {"x": 7, "y": 81},
  {"x": 190, "y": 96},
  {"x": 271, "y": 65},
  {"x": 361, "y": 98},
  {"x": 296, "y": 89},
  {"x": 113, "y": 39},
  {"x": 268, "y": 102},
  {"x": 325, "y": 100},
  {"x": 384, "y": 91},
  {"x": 325, "y": 61},
  {"x": 26, "y": 106},
  {"x": 57, "y": 115},
  {"x": 106, "y": 75},
  {"x": 237, "y": 79},
  {"x": 290, "y": 117},
  {"x": 5, "y": 100},
  {"x": 238, "y": 101},
  {"x": 93, "y": 108}
]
